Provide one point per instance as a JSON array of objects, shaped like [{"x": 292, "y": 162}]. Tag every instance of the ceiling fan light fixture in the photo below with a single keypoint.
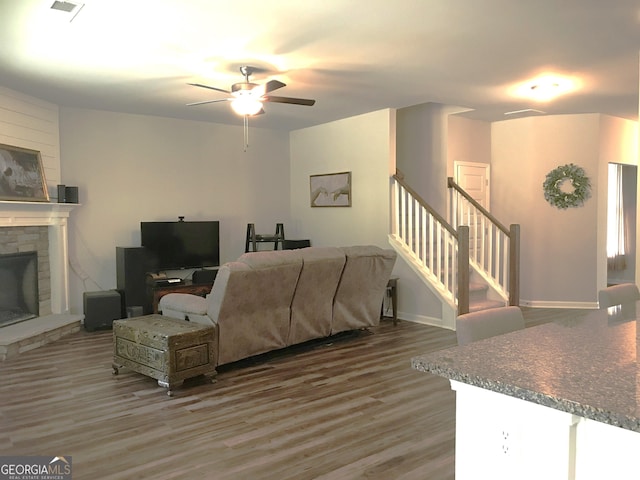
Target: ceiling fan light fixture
[
  {"x": 246, "y": 105},
  {"x": 247, "y": 97}
]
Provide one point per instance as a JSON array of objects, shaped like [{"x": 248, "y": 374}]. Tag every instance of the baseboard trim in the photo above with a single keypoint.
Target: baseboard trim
[
  {"x": 558, "y": 304},
  {"x": 422, "y": 319}
]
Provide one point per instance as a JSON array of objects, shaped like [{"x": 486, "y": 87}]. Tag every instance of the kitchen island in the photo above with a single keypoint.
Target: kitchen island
[{"x": 556, "y": 401}]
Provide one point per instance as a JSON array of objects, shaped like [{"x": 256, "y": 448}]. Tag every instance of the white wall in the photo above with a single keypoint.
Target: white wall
[
  {"x": 133, "y": 168},
  {"x": 362, "y": 145},
  {"x": 558, "y": 247},
  {"x": 365, "y": 146},
  {"x": 562, "y": 251},
  {"x": 32, "y": 123},
  {"x": 422, "y": 151},
  {"x": 467, "y": 141}
]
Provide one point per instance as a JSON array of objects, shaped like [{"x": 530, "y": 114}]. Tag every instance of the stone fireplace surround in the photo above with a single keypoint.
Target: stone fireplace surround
[{"x": 30, "y": 334}]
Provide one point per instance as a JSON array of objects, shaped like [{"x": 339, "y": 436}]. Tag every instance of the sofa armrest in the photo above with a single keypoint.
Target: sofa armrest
[{"x": 183, "y": 302}]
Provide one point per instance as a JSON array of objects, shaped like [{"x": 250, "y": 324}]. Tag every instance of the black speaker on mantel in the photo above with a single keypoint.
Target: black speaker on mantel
[
  {"x": 71, "y": 194},
  {"x": 67, "y": 194},
  {"x": 131, "y": 271},
  {"x": 61, "y": 193}
]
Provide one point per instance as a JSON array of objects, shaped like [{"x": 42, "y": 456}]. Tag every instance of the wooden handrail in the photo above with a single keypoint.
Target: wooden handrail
[
  {"x": 511, "y": 235},
  {"x": 399, "y": 178},
  {"x": 452, "y": 184},
  {"x": 428, "y": 249}
]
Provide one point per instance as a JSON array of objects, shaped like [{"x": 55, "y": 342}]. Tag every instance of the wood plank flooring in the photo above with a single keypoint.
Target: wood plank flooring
[{"x": 353, "y": 408}]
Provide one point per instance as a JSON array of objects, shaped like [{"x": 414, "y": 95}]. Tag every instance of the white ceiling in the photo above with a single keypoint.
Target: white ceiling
[{"x": 352, "y": 56}]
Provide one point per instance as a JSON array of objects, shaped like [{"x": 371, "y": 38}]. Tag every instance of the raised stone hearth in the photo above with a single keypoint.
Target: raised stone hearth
[
  {"x": 55, "y": 319},
  {"x": 24, "y": 336}
]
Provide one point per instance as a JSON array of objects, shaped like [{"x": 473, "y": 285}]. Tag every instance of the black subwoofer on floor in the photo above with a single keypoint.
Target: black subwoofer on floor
[{"x": 101, "y": 309}]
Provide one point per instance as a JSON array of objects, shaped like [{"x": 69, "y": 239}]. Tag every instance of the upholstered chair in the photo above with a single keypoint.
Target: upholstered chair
[
  {"x": 475, "y": 326},
  {"x": 618, "y": 294}
]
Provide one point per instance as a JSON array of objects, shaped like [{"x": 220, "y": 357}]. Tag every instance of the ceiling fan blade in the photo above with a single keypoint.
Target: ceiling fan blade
[
  {"x": 208, "y": 101},
  {"x": 295, "y": 101},
  {"x": 272, "y": 85},
  {"x": 207, "y": 86}
]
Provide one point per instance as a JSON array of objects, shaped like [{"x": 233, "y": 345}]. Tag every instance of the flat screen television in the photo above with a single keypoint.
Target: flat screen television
[{"x": 178, "y": 245}]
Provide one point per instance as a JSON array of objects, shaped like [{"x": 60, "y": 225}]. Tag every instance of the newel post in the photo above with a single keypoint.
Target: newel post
[
  {"x": 514, "y": 264},
  {"x": 463, "y": 269}
]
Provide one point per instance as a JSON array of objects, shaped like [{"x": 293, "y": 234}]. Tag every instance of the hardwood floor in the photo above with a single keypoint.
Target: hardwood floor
[{"x": 353, "y": 408}]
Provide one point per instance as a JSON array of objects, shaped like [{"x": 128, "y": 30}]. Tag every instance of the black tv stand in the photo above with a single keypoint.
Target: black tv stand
[{"x": 168, "y": 281}]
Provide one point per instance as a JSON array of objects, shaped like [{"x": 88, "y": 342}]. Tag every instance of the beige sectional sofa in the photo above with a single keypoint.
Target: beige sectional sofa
[{"x": 273, "y": 299}]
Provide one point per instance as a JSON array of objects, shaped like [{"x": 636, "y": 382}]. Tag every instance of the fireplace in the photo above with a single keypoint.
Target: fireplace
[
  {"x": 19, "y": 299},
  {"x": 25, "y": 228},
  {"x": 37, "y": 227}
]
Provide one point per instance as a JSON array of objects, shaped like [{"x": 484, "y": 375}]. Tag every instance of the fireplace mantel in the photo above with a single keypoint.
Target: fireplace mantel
[
  {"x": 54, "y": 216},
  {"x": 21, "y": 214}
]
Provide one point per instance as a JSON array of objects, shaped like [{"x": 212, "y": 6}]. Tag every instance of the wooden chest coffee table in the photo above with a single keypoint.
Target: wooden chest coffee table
[{"x": 164, "y": 348}]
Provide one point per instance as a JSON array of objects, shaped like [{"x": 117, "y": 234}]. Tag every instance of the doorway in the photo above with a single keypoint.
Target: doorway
[
  {"x": 621, "y": 223},
  {"x": 473, "y": 178}
]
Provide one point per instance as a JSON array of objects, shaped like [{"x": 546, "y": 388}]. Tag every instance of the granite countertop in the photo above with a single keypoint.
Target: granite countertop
[{"x": 585, "y": 364}]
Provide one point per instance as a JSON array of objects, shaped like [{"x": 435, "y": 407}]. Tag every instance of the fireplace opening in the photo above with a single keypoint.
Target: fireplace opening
[{"x": 18, "y": 287}]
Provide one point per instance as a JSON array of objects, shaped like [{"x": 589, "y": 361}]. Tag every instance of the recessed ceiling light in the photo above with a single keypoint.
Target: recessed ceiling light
[{"x": 545, "y": 87}]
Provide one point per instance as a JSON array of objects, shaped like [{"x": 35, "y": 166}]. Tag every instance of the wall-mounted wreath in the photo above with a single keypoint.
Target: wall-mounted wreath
[{"x": 567, "y": 186}]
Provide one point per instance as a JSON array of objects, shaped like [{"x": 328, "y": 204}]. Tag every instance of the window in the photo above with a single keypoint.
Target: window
[{"x": 616, "y": 247}]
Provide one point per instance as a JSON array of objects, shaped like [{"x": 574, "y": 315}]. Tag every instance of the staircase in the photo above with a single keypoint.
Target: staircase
[
  {"x": 479, "y": 298},
  {"x": 470, "y": 262}
]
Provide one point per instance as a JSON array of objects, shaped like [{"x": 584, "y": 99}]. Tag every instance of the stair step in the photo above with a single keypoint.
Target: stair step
[
  {"x": 484, "y": 305},
  {"x": 478, "y": 287},
  {"x": 477, "y": 292}
]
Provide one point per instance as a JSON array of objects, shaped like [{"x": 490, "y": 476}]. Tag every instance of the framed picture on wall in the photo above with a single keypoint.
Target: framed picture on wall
[
  {"x": 22, "y": 175},
  {"x": 330, "y": 190}
]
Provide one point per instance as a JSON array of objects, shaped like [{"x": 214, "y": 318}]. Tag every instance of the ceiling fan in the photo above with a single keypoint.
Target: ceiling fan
[{"x": 247, "y": 97}]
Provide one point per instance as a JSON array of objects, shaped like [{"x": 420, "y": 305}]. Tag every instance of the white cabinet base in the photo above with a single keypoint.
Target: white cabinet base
[{"x": 502, "y": 437}]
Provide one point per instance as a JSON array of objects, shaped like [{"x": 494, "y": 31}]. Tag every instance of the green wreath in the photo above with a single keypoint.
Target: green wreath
[{"x": 556, "y": 178}]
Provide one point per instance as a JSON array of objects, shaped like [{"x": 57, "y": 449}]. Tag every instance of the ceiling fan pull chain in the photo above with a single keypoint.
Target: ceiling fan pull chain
[{"x": 246, "y": 132}]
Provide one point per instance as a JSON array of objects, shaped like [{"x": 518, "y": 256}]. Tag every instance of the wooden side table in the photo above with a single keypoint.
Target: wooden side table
[
  {"x": 392, "y": 289},
  {"x": 164, "y": 348}
]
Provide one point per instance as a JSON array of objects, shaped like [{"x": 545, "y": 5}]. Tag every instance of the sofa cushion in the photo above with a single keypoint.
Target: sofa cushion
[
  {"x": 271, "y": 258},
  {"x": 251, "y": 302},
  {"x": 362, "y": 286},
  {"x": 312, "y": 306}
]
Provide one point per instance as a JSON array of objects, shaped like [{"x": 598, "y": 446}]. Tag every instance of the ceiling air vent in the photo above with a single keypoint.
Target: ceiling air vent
[
  {"x": 64, "y": 6},
  {"x": 525, "y": 113},
  {"x": 68, "y": 7}
]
